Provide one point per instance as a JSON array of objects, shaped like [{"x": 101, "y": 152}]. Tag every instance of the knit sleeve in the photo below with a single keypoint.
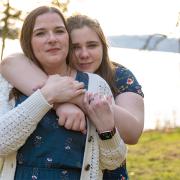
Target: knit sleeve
[
  {"x": 112, "y": 152},
  {"x": 16, "y": 124}
]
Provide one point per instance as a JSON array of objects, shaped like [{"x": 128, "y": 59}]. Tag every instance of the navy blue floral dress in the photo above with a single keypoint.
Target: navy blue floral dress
[
  {"x": 125, "y": 82},
  {"x": 51, "y": 152}
]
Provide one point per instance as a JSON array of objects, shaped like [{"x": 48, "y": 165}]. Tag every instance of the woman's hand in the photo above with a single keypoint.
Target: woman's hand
[
  {"x": 60, "y": 89},
  {"x": 71, "y": 117},
  {"x": 99, "y": 110}
]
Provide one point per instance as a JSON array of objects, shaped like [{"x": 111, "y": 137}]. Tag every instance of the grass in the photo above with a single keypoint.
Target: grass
[{"x": 156, "y": 156}]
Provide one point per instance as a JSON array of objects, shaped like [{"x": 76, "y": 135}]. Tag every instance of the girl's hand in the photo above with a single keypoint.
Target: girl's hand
[
  {"x": 71, "y": 117},
  {"x": 99, "y": 110}
]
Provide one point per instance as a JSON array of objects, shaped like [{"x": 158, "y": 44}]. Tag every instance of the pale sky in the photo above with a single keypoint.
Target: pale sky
[{"x": 123, "y": 16}]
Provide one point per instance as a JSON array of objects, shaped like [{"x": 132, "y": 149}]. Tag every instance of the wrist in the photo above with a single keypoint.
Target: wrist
[
  {"x": 78, "y": 101},
  {"x": 108, "y": 134},
  {"x": 55, "y": 106},
  {"x": 106, "y": 127},
  {"x": 48, "y": 96}
]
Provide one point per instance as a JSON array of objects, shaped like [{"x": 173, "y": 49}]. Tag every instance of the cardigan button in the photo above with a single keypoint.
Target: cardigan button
[
  {"x": 90, "y": 138},
  {"x": 87, "y": 167}
]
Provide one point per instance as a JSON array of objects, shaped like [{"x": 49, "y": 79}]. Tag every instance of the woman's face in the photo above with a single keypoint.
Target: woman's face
[
  {"x": 50, "y": 41},
  {"x": 87, "y": 49}
]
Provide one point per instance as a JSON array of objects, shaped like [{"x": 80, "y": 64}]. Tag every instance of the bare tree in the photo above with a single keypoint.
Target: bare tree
[
  {"x": 62, "y": 5},
  {"x": 9, "y": 14}
]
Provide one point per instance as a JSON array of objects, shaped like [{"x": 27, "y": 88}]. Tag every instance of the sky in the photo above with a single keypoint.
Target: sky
[{"x": 119, "y": 17}]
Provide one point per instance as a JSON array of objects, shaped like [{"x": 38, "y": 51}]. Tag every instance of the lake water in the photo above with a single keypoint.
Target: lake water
[{"x": 159, "y": 75}]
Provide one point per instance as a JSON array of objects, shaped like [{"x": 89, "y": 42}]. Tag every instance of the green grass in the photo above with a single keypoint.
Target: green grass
[{"x": 156, "y": 156}]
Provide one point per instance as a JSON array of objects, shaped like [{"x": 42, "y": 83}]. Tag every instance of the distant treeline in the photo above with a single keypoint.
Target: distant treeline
[{"x": 152, "y": 42}]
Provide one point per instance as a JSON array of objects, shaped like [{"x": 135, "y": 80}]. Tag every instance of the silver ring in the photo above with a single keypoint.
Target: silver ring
[{"x": 92, "y": 99}]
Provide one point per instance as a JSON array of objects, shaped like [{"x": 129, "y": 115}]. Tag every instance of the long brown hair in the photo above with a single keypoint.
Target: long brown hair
[
  {"x": 28, "y": 26},
  {"x": 106, "y": 69},
  {"x": 26, "y": 36}
]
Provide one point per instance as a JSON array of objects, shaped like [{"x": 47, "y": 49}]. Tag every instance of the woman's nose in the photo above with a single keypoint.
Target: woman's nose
[{"x": 52, "y": 37}]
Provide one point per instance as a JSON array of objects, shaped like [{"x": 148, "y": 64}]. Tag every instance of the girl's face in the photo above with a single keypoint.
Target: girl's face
[
  {"x": 50, "y": 42},
  {"x": 87, "y": 49}
]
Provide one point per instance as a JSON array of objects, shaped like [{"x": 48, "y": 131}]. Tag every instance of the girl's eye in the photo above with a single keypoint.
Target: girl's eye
[
  {"x": 92, "y": 45},
  {"x": 76, "y": 47}
]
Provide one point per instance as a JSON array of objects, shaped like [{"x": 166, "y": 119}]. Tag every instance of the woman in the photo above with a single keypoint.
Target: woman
[{"x": 32, "y": 145}]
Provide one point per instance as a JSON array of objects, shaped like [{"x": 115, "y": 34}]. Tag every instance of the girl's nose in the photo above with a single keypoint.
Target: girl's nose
[{"x": 84, "y": 53}]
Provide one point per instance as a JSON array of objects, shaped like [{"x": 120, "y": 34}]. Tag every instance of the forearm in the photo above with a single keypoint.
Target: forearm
[
  {"x": 129, "y": 127},
  {"x": 17, "y": 124},
  {"x": 26, "y": 76},
  {"x": 22, "y": 73},
  {"x": 129, "y": 117},
  {"x": 112, "y": 152}
]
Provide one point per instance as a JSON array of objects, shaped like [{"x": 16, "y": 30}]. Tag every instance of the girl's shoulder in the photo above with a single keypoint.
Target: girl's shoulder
[
  {"x": 120, "y": 69},
  {"x": 5, "y": 88},
  {"x": 126, "y": 81},
  {"x": 4, "y": 84}
]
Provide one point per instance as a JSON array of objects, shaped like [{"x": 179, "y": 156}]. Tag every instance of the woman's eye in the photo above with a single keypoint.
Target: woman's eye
[
  {"x": 39, "y": 34},
  {"x": 60, "y": 31}
]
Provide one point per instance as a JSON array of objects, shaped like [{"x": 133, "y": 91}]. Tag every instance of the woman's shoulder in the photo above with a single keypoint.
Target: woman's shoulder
[
  {"x": 82, "y": 77},
  {"x": 95, "y": 77},
  {"x": 98, "y": 85},
  {"x": 88, "y": 75}
]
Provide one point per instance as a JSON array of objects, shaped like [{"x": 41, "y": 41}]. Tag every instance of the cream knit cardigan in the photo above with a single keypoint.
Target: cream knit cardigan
[{"x": 16, "y": 125}]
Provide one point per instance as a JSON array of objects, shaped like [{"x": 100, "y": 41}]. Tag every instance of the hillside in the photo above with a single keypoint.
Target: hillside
[{"x": 155, "y": 42}]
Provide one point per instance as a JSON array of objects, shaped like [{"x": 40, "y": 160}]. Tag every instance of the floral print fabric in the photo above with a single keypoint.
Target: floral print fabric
[{"x": 125, "y": 82}]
